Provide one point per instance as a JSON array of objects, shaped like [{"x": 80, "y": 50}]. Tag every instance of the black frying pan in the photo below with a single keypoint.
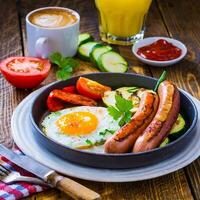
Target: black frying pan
[{"x": 115, "y": 161}]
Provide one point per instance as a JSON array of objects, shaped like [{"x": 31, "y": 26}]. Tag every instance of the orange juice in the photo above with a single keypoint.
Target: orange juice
[{"x": 122, "y": 21}]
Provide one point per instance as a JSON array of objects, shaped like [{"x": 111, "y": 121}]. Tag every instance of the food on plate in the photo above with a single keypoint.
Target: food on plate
[
  {"x": 160, "y": 80},
  {"x": 133, "y": 119},
  {"x": 70, "y": 89},
  {"x": 84, "y": 93},
  {"x": 121, "y": 110},
  {"x": 165, "y": 142},
  {"x": 25, "y": 72},
  {"x": 177, "y": 130},
  {"x": 83, "y": 38},
  {"x": 128, "y": 93},
  {"x": 164, "y": 119},
  {"x": 124, "y": 138},
  {"x": 178, "y": 126},
  {"x": 59, "y": 99},
  {"x": 80, "y": 127},
  {"x": 161, "y": 50},
  {"x": 91, "y": 88}
]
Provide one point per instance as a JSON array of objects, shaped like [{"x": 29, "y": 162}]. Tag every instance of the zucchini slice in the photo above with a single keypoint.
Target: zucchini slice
[
  {"x": 178, "y": 128},
  {"x": 112, "y": 62},
  {"x": 165, "y": 142},
  {"x": 85, "y": 49},
  {"x": 127, "y": 92},
  {"x": 109, "y": 97},
  {"x": 97, "y": 51},
  {"x": 83, "y": 38},
  {"x": 179, "y": 125}
]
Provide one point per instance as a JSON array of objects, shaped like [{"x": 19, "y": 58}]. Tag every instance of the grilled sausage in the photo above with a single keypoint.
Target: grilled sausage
[
  {"x": 164, "y": 119},
  {"x": 123, "y": 140}
]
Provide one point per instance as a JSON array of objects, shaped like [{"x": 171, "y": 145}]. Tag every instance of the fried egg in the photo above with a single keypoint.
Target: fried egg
[{"x": 80, "y": 127}]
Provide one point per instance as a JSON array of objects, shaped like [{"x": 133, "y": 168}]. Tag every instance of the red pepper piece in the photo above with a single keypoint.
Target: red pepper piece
[
  {"x": 54, "y": 104},
  {"x": 57, "y": 100},
  {"x": 70, "y": 89}
]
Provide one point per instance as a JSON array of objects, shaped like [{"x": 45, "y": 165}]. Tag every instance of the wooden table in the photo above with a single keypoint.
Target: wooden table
[{"x": 174, "y": 18}]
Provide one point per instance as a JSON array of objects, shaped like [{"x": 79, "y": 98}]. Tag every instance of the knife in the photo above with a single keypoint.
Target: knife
[{"x": 68, "y": 186}]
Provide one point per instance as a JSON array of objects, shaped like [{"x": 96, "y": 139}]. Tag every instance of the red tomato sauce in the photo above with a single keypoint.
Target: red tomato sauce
[{"x": 161, "y": 50}]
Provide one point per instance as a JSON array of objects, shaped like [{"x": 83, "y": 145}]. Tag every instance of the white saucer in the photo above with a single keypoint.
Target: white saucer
[
  {"x": 23, "y": 135},
  {"x": 150, "y": 40}
]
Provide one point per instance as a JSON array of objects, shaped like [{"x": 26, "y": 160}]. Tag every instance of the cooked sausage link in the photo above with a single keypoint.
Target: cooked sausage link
[
  {"x": 123, "y": 140},
  {"x": 164, "y": 119}
]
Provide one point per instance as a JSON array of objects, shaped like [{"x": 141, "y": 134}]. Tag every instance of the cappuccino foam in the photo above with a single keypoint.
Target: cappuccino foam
[{"x": 52, "y": 18}]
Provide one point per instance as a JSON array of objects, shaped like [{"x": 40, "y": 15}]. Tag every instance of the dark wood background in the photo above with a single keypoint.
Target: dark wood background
[{"x": 173, "y": 18}]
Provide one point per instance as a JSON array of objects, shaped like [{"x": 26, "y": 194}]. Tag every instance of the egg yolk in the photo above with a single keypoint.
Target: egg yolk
[{"x": 77, "y": 123}]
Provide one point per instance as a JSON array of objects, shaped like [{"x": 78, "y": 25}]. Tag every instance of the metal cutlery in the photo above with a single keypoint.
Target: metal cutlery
[
  {"x": 9, "y": 176},
  {"x": 70, "y": 187}
]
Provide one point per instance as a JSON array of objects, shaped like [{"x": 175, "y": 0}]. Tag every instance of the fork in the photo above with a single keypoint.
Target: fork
[{"x": 9, "y": 176}]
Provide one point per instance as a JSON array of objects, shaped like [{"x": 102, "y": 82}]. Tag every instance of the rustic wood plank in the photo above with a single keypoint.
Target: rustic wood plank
[
  {"x": 181, "y": 19},
  {"x": 10, "y": 44},
  {"x": 173, "y": 186}
]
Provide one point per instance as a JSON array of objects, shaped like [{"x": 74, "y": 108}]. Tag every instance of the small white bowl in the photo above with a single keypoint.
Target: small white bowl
[{"x": 151, "y": 40}]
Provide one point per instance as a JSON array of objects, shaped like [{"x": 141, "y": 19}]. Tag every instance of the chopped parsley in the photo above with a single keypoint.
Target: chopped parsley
[
  {"x": 106, "y": 131},
  {"x": 121, "y": 110},
  {"x": 89, "y": 142}
]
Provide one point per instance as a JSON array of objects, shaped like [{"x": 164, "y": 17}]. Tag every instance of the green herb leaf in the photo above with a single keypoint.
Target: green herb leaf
[
  {"x": 89, "y": 142},
  {"x": 122, "y": 110},
  {"x": 114, "y": 112},
  {"x": 63, "y": 75},
  {"x": 55, "y": 58},
  {"x": 58, "y": 113},
  {"x": 160, "y": 80},
  {"x": 106, "y": 131},
  {"x": 125, "y": 119},
  {"x": 66, "y": 65},
  {"x": 101, "y": 142},
  {"x": 68, "y": 62},
  {"x": 122, "y": 104}
]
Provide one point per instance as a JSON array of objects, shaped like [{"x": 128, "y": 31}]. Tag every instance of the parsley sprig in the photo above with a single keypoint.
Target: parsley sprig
[
  {"x": 65, "y": 65},
  {"x": 106, "y": 131},
  {"x": 121, "y": 110}
]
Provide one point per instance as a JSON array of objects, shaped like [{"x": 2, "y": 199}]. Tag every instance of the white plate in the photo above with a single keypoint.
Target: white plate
[
  {"x": 150, "y": 40},
  {"x": 23, "y": 136}
]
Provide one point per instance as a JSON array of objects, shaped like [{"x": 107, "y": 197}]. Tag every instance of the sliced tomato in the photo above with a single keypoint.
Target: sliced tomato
[
  {"x": 70, "y": 89},
  {"x": 91, "y": 88},
  {"x": 25, "y": 72}
]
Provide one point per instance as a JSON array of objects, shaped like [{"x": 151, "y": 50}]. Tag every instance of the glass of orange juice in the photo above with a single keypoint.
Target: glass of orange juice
[{"x": 122, "y": 21}]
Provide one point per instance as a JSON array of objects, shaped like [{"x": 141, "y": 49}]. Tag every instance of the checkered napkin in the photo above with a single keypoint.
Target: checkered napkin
[{"x": 17, "y": 190}]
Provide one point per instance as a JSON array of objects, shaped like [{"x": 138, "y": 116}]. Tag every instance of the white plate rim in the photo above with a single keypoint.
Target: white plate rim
[{"x": 99, "y": 175}]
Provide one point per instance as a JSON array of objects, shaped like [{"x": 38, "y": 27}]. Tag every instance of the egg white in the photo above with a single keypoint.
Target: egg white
[{"x": 105, "y": 121}]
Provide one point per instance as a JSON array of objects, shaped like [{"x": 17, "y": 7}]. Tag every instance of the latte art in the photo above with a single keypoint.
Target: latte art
[{"x": 52, "y": 18}]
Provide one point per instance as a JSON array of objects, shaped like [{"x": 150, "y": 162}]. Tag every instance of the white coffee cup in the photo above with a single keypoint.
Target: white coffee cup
[{"x": 42, "y": 41}]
